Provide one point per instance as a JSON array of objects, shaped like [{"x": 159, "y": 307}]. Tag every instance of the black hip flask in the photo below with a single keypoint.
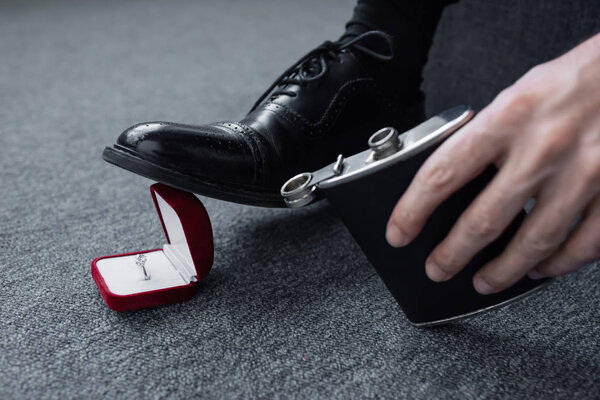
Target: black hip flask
[{"x": 364, "y": 189}]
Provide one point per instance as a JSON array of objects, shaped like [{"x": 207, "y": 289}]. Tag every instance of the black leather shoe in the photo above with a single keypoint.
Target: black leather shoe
[{"x": 327, "y": 103}]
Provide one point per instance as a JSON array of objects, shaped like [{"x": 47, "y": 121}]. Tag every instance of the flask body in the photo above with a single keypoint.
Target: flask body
[{"x": 365, "y": 205}]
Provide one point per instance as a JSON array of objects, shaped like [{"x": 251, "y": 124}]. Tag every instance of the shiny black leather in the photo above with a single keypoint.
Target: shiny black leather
[{"x": 301, "y": 129}]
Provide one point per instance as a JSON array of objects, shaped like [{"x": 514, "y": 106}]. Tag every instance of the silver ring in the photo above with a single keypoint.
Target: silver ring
[{"x": 140, "y": 261}]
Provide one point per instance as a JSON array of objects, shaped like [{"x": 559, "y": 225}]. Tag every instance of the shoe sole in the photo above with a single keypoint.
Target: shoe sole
[{"x": 128, "y": 160}]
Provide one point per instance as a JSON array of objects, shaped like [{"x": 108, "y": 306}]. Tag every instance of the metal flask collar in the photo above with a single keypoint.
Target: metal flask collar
[{"x": 386, "y": 147}]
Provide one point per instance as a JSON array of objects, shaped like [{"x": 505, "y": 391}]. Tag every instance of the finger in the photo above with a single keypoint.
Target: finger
[
  {"x": 540, "y": 235},
  {"x": 458, "y": 160},
  {"x": 581, "y": 248},
  {"x": 482, "y": 222}
]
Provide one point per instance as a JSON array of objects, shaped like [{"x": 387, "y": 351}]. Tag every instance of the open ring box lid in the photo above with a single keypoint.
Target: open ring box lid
[{"x": 174, "y": 270}]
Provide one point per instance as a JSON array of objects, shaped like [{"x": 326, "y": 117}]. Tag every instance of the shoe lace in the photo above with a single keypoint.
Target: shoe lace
[{"x": 313, "y": 65}]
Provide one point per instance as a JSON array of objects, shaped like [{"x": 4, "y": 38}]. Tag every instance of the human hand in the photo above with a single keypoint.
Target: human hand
[{"x": 543, "y": 133}]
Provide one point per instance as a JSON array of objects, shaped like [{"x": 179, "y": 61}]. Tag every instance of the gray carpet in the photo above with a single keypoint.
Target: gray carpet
[{"x": 292, "y": 309}]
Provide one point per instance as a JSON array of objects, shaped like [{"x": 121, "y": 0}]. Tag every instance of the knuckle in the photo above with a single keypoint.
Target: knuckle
[
  {"x": 482, "y": 226},
  {"x": 557, "y": 139},
  {"x": 522, "y": 97},
  {"x": 515, "y": 102},
  {"x": 538, "y": 244},
  {"x": 553, "y": 147},
  {"x": 438, "y": 176}
]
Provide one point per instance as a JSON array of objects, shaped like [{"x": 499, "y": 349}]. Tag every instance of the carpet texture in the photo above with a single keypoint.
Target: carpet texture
[{"x": 292, "y": 309}]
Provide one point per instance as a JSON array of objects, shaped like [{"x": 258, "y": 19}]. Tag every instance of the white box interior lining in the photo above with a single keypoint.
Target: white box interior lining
[
  {"x": 122, "y": 276},
  {"x": 178, "y": 252},
  {"x": 170, "y": 267}
]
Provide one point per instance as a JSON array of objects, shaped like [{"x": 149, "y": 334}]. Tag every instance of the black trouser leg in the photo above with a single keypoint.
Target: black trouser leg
[{"x": 411, "y": 23}]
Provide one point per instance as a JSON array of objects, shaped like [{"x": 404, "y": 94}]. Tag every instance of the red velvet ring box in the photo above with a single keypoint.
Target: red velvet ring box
[{"x": 174, "y": 270}]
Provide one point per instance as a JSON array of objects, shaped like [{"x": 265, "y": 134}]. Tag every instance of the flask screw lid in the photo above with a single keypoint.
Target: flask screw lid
[{"x": 385, "y": 142}]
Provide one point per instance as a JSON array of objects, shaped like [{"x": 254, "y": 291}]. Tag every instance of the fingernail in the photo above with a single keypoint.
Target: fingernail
[
  {"x": 435, "y": 273},
  {"x": 482, "y": 286},
  {"x": 394, "y": 236},
  {"x": 534, "y": 274}
]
